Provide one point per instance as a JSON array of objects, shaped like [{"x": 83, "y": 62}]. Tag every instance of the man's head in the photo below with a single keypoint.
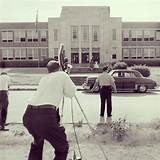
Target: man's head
[{"x": 53, "y": 66}]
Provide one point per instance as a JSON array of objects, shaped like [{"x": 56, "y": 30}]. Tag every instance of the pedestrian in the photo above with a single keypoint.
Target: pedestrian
[
  {"x": 4, "y": 85},
  {"x": 40, "y": 117},
  {"x": 106, "y": 83}
]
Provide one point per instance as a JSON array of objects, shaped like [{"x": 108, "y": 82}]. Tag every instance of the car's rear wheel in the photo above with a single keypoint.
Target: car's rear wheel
[{"x": 142, "y": 88}]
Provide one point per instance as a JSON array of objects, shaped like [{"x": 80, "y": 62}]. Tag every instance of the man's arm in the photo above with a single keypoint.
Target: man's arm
[
  {"x": 113, "y": 84},
  {"x": 69, "y": 86},
  {"x": 94, "y": 86}
]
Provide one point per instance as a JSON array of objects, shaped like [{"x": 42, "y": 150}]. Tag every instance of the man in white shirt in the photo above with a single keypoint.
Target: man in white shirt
[
  {"x": 41, "y": 118},
  {"x": 106, "y": 83},
  {"x": 4, "y": 85}
]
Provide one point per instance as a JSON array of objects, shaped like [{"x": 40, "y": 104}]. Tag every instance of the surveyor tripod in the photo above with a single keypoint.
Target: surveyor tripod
[{"x": 76, "y": 137}]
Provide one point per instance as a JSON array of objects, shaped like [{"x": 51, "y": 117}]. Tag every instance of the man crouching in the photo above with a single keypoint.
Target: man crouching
[{"x": 41, "y": 118}]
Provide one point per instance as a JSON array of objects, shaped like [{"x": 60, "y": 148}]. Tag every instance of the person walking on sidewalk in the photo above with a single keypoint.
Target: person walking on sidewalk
[
  {"x": 106, "y": 83},
  {"x": 4, "y": 85},
  {"x": 40, "y": 117}
]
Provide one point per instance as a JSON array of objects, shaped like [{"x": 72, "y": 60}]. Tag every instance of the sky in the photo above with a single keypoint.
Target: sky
[{"x": 129, "y": 10}]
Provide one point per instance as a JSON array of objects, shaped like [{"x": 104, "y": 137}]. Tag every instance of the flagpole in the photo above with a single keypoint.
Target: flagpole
[{"x": 37, "y": 32}]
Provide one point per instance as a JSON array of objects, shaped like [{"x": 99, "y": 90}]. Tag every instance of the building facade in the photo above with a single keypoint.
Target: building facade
[{"x": 88, "y": 33}]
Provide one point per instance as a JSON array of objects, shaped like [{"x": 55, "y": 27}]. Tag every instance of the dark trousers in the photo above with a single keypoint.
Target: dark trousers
[
  {"x": 42, "y": 124},
  {"x": 3, "y": 107},
  {"x": 106, "y": 95}
]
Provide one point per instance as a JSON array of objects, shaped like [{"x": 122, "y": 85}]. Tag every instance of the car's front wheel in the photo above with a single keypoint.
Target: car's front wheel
[{"x": 142, "y": 88}]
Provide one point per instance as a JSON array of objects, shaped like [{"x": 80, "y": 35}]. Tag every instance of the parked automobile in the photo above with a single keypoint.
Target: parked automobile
[{"x": 125, "y": 80}]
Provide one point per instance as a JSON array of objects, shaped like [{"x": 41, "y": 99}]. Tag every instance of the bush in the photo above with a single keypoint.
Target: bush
[
  {"x": 120, "y": 129},
  {"x": 120, "y": 65},
  {"x": 143, "y": 69}
]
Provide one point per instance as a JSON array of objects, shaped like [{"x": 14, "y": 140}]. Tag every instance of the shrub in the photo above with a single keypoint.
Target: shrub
[
  {"x": 120, "y": 65},
  {"x": 120, "y": 128},
  {"x": 143, "y": 69}
]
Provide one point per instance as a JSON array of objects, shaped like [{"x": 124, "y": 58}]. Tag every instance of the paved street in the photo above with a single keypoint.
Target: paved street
[{"x": 135, "y": 107}]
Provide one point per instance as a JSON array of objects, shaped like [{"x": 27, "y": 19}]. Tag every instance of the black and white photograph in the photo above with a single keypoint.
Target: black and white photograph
[{"x": 79, "y": 80}]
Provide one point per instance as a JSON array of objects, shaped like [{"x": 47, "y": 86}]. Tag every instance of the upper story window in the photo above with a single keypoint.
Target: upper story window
[
  {"x": 19, "y": 36},
  {"x": 85, "y": 33},
  {"x": 7, "y": 36},
  {"x": 32, "y": 36},
  {"x": 55, "y": 32},
  {"x": 95, "y": 33},
  {"x": 157, "y": 35},
  {"x": 43, "y": 35},
  {"x": 149, "y": 35},
  {"x": 32, "y": 53},
  {"x": 114, "y": 34},
  {"x": 126, "y": 35},
  {"x": 74, "y": 33},
  {"x": 20, "y": 53},
  {"x": 137, "y": 35}
]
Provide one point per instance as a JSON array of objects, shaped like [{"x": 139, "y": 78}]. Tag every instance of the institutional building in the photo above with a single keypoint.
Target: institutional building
[{"x": 87, "y": 32}]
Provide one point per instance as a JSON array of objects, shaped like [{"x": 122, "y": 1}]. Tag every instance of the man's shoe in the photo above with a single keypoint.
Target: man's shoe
[
  {"x": 109, "y": 121},
  {"x": 101, "y": 121}
]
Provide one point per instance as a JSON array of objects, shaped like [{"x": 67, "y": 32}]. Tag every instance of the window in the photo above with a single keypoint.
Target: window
[
  {"x": 19, "y": 36},
  {"x": 74, "y": 33},
  {"x": 85, "y": 33},
  {"x": 134, "y": 36},
  {"x": 125, "y": 53},
  {"x": 149, "y": 35},
  {"x": 44, "y": 54},
  {"x": 114, "y": 53},
  {"x": 133, "y": 53},
  {"x": 139, "y": 35},
  {"x": 129, "y": 75},
  {"x": 157, "y": 53},
  {"x": 55, "y": 51},
  {"x": 158, "y": 35},
  {"x": 126, "y": 35},
  {"x": 32, "y": 36},
  {"x": 32, "y": 53},
  {"x": 139, "y": 53},
  {"x": 95, "y": 33},
  {"x": 55, "y": 34},
  {"x": 7, "y": 54},
  {"x": 7, "y": 36},
  {"x": 20, "y": 54},
  {"x": 149, "y": 52},
  {"x": 43, "y": 35},
  {"x": 114, "y": 34}
]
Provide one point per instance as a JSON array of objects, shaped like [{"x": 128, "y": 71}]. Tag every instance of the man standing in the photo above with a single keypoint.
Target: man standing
[
  {"x": 106, "y": 83},
  {"x": 4, "y": 85},
  {"x": 41, "y": 118}
]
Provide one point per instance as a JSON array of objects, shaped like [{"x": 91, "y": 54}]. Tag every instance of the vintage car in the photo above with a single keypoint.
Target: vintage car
[{"x": 125, "y": 80}]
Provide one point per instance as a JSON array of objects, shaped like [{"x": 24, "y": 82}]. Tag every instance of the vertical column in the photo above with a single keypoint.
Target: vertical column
[
  {"x": 90, "y": 42},
  {"x": 79, "y": 44}
]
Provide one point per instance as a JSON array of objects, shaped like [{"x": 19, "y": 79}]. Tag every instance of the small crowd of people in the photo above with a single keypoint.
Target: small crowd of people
[{"x": 42, "y": 119}]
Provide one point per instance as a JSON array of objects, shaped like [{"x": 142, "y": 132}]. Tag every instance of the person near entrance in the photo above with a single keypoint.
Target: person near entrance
[
  {"x": 106, "y": 83},
  {"x": 4, "y": 85},
  {"x": 40, "y": 117}
]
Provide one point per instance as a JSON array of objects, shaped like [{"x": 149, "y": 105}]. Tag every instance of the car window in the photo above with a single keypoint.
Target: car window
[
  {"x": 129, "y": 75},
  {"x": 118, "y": 74}
]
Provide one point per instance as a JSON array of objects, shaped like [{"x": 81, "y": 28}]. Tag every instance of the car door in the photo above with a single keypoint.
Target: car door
[
  {"x": 129, "y": 80},
  {"x": 118, "y": 76}
]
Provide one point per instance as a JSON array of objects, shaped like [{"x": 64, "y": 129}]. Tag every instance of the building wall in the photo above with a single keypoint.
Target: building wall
[{"x": 89, "y": 17}]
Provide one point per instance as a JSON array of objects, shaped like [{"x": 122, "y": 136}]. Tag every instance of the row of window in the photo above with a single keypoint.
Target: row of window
[
  {"x": 24, "y": 36},
  {"x": 82, "y": 33},
  {"x": 139, "y": 53},
  {"x": 141, "y": 35},
  {"x": 24, "y": 53}
]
